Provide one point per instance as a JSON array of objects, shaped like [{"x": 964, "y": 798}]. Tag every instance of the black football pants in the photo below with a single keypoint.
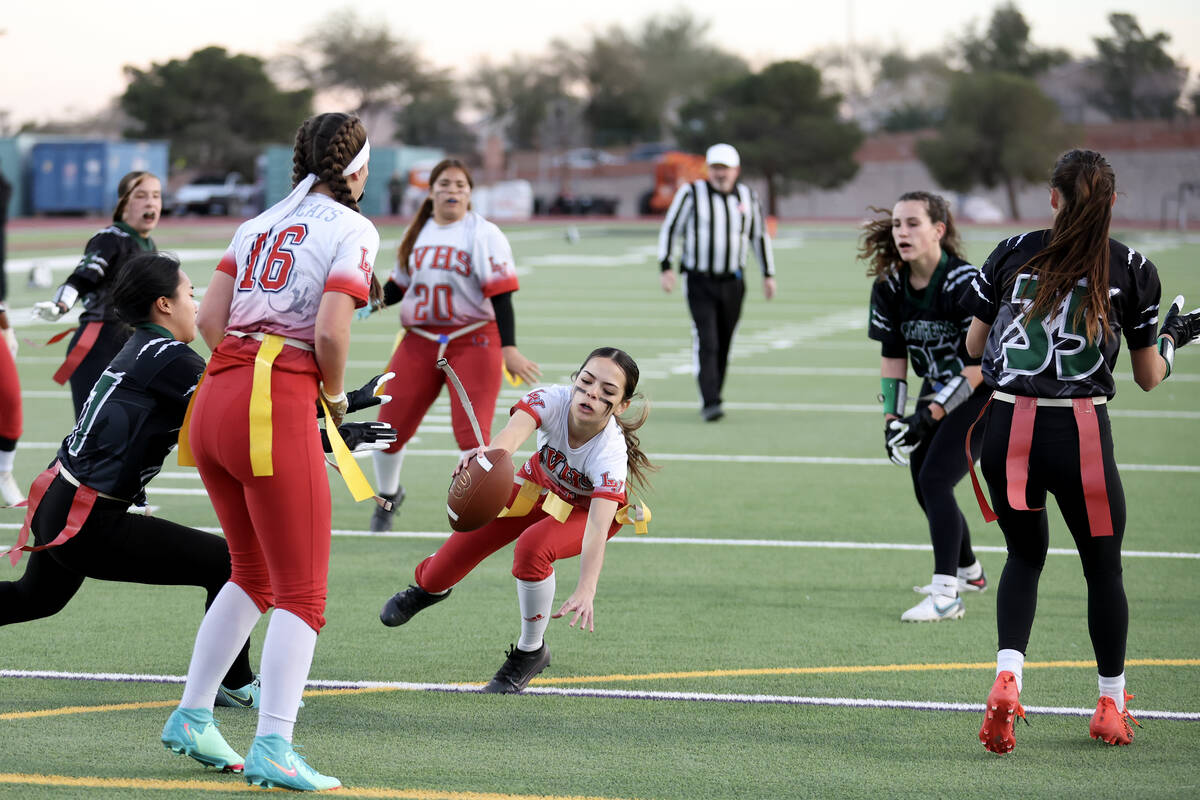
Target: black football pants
[{"x": 716, "y": 306}]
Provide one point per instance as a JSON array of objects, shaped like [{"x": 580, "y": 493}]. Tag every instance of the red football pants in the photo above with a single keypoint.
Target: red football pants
[
  {"x": 476, "y": 360},
  {"x": 541, "y": 540},
  {"x": 10, "y": 396},
  {"x": 278, "y": 526}
]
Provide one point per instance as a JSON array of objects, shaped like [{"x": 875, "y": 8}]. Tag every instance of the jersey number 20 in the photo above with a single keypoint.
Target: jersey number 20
[{"x": 277, "y": 261}]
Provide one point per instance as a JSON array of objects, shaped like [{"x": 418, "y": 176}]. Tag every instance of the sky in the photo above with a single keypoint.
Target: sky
[{"x": 63, "y": 58}]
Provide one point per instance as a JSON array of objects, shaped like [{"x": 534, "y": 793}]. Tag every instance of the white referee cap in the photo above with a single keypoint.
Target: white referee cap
[{"x": 722, "y": 154}]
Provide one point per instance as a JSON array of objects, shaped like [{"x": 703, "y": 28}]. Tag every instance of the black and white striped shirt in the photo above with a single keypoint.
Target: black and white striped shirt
[{"x": 717, "y": 230}]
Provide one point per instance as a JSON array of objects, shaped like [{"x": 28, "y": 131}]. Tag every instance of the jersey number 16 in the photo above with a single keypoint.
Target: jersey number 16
[{"x": 277, "y": 262}]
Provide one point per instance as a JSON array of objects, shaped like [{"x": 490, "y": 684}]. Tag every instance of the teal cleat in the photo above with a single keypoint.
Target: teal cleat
[
  {"x": 193, "y": 732},
  {"x": 273, "y": 762}
]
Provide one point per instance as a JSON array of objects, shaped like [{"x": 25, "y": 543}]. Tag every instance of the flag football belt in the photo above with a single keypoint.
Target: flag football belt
[
  {"x": 81, "y": 507},
  {"x": 444, "y": 339},
  {"x": 83, "y": 346},
  {"x": 1020, "y": 442},
  {"x": 261, "y": 427},
  {"x": 527, "y": 497}
]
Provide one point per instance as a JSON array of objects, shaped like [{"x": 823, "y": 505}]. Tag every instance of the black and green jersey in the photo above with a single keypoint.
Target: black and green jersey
[
  {"x": 132, "y": 417},
  {"x": 103, "y": 258},
  {"x": 927, "y": 326},
  {"x": 1051, "y": 356}
]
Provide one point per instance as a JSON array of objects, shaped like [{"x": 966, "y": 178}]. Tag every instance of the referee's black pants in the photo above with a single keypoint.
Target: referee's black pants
[
  {"x": 1054, "y": 469},
  {"x": 715, "y": 303},
  {"x": 114, "y": 545}
]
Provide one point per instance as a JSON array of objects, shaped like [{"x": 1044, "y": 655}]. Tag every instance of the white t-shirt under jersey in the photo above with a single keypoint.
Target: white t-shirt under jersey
[
  {"x": 453, "y": 272},
  {"x": 280, "y": 274},
  {"x": 597, "y": 468}
]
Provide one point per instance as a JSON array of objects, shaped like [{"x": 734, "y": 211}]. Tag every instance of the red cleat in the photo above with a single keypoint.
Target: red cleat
[
  {"x": 1002, "y": 704},
  {"x": 1111, "y": 726}
]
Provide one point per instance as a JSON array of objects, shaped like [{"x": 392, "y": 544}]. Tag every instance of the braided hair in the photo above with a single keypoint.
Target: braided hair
[
  {"x": 878, "y": 248},
  {"x": 325, "y": 145}
]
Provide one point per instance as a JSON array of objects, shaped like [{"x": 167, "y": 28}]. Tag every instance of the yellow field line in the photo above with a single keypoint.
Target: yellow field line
[
  {"x": 659, "y": 676},
  {"x": 236, "y": 784}
]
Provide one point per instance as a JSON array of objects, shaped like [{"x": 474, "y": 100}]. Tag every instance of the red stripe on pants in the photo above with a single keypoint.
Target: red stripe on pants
[{"x": 1091, "y": 467}]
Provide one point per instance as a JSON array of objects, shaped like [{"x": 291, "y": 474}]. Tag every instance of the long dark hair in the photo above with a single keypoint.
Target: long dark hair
[
  {"x": 1078, "y": 245},
  {"x": 638, "y": 463},
  {"x": 142, "y": 280},
  {"x": 877, "y": 247},
  {"x": 426, "y": 209},
  {"x": 325, "y": 145}
]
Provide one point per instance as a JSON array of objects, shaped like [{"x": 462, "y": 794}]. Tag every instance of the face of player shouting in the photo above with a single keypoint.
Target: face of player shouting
[
  {"x": 599, "y": 393},
  {"x": 451, "y": 194},
  {"x": 144, "y": 207},
  {"x": 917, "y": 237}
]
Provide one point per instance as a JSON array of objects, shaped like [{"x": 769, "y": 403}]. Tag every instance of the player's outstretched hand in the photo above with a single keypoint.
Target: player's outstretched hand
[
  {"x": 369, "y": 394},
  {"x": 362, "y": 436},
  {"x": 579, "y": 604},
  {"x": 1182, "y": 328},
  {"x": 48, "y": 310}
]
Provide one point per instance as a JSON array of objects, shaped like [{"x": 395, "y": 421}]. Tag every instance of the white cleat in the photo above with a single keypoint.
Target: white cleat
[
  {"x": 9, "y": 489},
  {"x": 935, "y": 608}
]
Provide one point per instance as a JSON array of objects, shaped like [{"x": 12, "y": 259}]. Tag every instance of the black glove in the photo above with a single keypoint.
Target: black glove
[
  {"x": 1183, "y": 328},
  {"x": 365, "y": 396},
  {"x": 362, "y": 436},
  {"x": 903, "y": 435}
]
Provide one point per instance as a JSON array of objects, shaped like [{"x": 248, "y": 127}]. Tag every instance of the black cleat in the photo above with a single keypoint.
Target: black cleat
[
  {"x": 381, "y": 520},
  {"x": 712, "y": 413},
  {"x": 403, "y": 606},
  {"x": 518, "y": 670}
]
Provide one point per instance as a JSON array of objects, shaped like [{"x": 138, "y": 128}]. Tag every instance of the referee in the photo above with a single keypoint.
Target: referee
[{"x": 717, "y": 221}]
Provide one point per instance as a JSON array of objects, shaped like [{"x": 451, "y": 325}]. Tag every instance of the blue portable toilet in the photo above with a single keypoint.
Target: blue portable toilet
[
  {"x": 81, "y": 176},
  {"x": 10, "y": 165}
]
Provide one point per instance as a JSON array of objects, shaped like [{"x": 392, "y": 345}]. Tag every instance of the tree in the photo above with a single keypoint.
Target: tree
[
  {"x": 637, "y": 80},
  {"x": 364, "y": 59},
  {"x": 1005, "y": 47},
  {"x": 785, "y": 127},
  {"x": 521, "y": 94},
  {"x": 1138, "y": 79},
  {"x": 431, "y": 116},
  {"x": 216, "y": 109},
  {"x": 999, "y": 130}
]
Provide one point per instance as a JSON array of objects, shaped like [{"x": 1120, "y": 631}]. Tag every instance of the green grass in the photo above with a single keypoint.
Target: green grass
[{"x": 810, "y": 614}]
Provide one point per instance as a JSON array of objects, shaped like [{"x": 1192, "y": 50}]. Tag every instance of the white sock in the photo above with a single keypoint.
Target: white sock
[
  {"x": 945, "y": 585},
  {"x": 226, "y": 625},
  {"x": 1011, "y": 661},
  {"x": 535, "y": 598},
  {"x": 6, "y": 460},
  {"x": 286, "y": 657},
  {"x": 387, "y": 470},
  {"x": 1114, "y": 688},
  {"x": 972, "y": 572}
]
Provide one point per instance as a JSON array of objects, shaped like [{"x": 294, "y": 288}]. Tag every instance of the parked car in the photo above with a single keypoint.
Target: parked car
[
  {"x": 215, "y": 194},
  {"x": 586, "y": 158},
  {"x": 649, "y": 151},
  {"x": 578, "y": 205}
]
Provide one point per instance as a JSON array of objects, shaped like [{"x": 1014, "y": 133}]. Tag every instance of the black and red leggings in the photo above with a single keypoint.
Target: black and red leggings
[{"x": 1054, "y": 468}]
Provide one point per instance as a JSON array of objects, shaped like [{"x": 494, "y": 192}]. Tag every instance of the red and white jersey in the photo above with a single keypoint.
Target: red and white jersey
[
  {"x": 280, "y": 274},
  {"x": 453, "y": 272},
  {"x": 597, "y": 468}
]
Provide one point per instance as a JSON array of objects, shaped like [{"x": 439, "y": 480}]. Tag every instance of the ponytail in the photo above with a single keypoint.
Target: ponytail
[{"x": 1079, "y": 244}]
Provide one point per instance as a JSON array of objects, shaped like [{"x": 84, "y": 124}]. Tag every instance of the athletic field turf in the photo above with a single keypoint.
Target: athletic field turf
[{"x": 748, "y": 647}]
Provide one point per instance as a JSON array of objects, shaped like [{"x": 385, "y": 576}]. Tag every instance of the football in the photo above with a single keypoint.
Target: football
[{"x": 480, "y": 492}]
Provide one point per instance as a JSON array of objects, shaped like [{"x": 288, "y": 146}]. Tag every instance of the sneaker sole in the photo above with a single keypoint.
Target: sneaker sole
[
  {"x": 267, "y": 783},
  {"x": 993, "y": 734},
  {"x": 184, "y": 750}
]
